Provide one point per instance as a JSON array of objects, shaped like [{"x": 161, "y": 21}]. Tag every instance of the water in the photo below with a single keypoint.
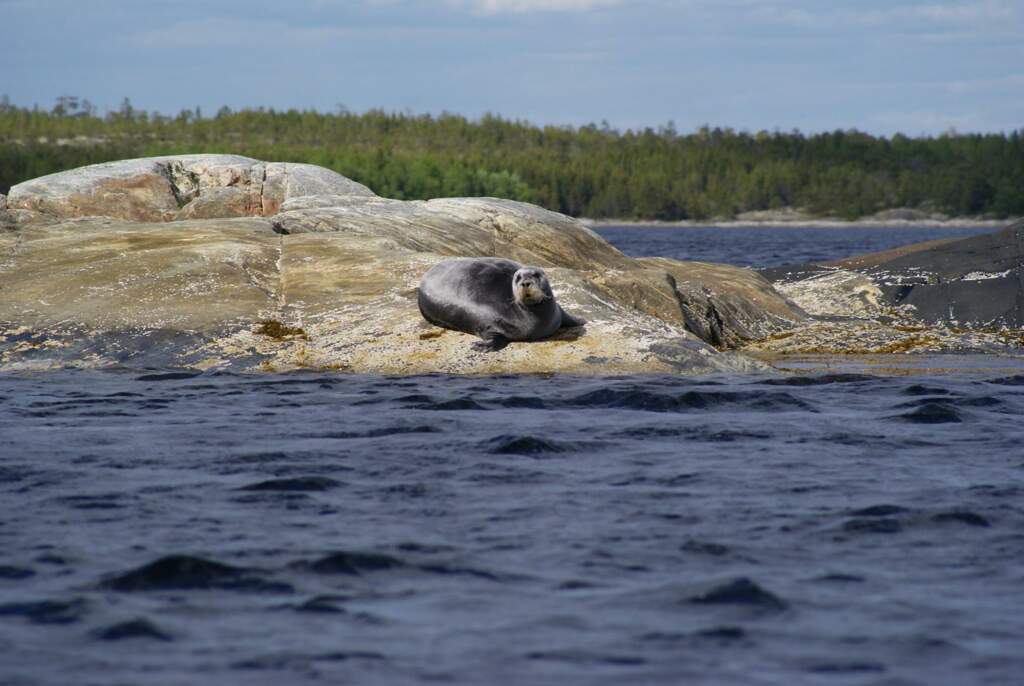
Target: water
[
  {"x": 165, "y": 527},
  {"x": 770, "y": 246}
]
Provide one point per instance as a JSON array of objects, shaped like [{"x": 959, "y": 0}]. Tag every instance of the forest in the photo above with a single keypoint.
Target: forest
[{"x": 588, "y": 171}]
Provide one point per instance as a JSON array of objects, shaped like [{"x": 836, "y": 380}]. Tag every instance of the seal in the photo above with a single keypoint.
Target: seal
[{"x": 496, "y": 299}]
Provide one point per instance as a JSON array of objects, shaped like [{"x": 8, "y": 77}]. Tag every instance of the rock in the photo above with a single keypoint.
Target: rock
[
  {"x": 876, "y": 258},
  {"x": 725, "y": 305},
  {"x": 7, "y": 220},
  {"x": 113, "y": 275},
  {"x": 975, "y": 282},
  {"x": 781, "y": 215},
  {"x": 946, "y": 295},
  {"x": 835, "y": 292},
  {"x": 164, "y": 188},
  {"x": 720, "y": 304},
  {"x": 905, "y": 214},
  {"x": 190, "y": 261},
  {"x": 223, "y": 261},
  {"x": 469, "y": 227}
]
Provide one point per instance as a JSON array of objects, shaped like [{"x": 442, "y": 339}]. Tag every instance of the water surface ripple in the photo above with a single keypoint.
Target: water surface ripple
[
  {"x": 762, "y": 246},
  {"x": 171, "y": 528}
]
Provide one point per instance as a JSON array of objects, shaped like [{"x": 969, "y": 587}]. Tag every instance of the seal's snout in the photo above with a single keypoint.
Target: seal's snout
[{"x": 531, "y": 296}]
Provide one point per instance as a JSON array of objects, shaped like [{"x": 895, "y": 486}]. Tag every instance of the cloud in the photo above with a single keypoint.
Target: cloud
[{"x": 526, "y": 6}]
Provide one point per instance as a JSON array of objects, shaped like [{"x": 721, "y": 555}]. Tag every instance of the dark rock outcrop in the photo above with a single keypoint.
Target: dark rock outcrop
[
  {"x": 950, "y": 294},
  {"x": 974, "y": 282}
]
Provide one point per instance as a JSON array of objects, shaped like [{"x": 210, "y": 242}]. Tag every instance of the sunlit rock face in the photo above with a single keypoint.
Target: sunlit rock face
[
  {"x": 225, "y": 261},
  {"x": 157, "y": 189}
]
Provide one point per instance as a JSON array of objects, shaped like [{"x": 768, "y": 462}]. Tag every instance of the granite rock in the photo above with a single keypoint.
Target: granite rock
[
  {"x": 224, "y": 261},
  {"x": 154, "y": 189}
]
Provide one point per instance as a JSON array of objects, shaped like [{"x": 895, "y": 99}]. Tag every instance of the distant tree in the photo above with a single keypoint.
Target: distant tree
[
  {"x": 67, "y": 106},
  {"x": 593, "y": 170}
]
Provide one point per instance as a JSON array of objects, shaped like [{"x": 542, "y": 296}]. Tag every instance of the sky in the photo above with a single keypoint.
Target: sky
[{"x": 881, "y": 66}]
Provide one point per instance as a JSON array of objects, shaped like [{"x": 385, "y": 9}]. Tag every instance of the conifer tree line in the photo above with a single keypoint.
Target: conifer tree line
[{"x": 592, "y": 171}]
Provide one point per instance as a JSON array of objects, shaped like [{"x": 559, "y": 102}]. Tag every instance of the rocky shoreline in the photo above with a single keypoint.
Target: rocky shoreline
[{"x": 226, "y": 262}]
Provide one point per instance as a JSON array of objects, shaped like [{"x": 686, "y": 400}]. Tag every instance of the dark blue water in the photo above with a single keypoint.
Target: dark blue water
[
  {"x": 770, "y": 246},
  {"x": 163, "y": 527}
]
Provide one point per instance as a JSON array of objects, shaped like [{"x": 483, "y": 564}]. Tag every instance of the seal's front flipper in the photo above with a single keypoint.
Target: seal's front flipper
[
  {"x": 569, "y": 321},
  {"x": 492, "y": 342}
]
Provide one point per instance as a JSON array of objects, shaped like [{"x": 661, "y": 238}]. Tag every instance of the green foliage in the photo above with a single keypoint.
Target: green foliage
[{"x": 587, "y": 171}]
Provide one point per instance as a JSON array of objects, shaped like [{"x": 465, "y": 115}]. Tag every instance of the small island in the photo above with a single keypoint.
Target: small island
[{"x": 223, "y": 261}]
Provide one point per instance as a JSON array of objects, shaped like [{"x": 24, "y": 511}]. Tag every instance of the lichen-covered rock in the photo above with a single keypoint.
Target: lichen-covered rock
[
  {"x": 835, "y": 292},
  {"x": 219, "y": 260}
]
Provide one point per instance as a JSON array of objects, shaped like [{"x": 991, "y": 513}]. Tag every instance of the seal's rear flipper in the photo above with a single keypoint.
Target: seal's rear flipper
[
  {"x": 492, "y": 342},
  {"x": 569, "y": 321}
]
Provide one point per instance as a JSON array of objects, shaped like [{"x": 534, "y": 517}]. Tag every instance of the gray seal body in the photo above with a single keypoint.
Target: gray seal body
[{"x": 496, "y": 299}]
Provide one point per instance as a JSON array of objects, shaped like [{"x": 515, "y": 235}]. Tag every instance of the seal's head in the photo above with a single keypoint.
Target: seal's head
[{"x": 530, "y": 286}]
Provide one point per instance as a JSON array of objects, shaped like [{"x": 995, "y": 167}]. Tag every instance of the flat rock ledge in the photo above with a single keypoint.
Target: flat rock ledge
[{"x": 221, "y": 261}]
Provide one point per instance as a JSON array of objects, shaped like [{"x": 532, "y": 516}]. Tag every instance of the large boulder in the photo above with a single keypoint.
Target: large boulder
[
  {"x": 224, "y": 261},
  {"x": 155, "y": 189}
]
